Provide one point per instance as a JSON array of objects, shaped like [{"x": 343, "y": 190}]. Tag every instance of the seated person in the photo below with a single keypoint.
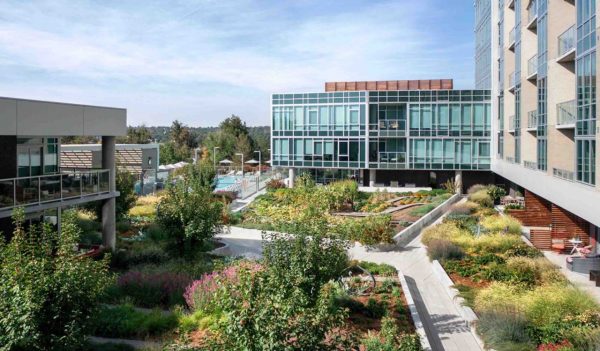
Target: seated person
[{"x": 583, "y": 251}]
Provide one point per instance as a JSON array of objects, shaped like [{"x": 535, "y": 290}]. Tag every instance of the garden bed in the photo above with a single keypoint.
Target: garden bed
[{"x": 522, "y": 300}]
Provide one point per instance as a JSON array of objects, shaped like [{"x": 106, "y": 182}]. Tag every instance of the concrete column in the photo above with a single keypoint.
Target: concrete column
[
  {"x": 291, "y": 177},
  {"x": 372, "y": 177},
  {"x": 458, "y": 182},
  {"x": 109, "y": 205}
]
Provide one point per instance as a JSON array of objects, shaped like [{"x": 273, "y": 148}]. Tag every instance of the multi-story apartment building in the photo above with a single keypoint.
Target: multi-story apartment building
[
  {"x": 386, "y": 132},
  {"x": 483, "y": 44},
  {"x": 31, "y": 176},
  {"x": 544, "y": 102}
]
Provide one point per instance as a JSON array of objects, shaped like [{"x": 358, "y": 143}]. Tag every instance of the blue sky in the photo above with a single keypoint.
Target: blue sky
[{"x": 200, "y": 61}]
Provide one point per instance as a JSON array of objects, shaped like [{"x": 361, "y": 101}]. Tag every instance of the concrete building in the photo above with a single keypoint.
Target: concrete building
[
  {"x": 544, "y": 102},
  {"x": 393, "y": 133},
  {"x": 31, "y": 177}
]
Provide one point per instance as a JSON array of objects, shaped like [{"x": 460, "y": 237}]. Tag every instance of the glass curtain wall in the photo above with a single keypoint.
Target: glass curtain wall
[
  {"x": 517, "y": 155},
  {"x": 542, "y": 93}
]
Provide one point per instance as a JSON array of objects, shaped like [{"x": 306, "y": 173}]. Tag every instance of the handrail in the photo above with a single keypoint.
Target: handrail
[
  {"x": 35, "y": 190},
  {"x": 563, "y": 174},
  {"x": 392, "y": 157},
  {"x": 511, "y": 122},
  {"x": 511, "y": 37},
  {"x": 530, "y": 164},
  {"x": 532, "y": 65},
  {"x": 566, "y": 41},
  {"x": 532, "y": 119},
  {"x": 566, "y": 112}
]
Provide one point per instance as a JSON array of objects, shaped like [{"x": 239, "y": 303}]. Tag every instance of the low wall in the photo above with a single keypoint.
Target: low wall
[
  {"x": 408, "y": 234},
  {"x": 389, "y": 189},
  {"x": 414, "y": 313}
]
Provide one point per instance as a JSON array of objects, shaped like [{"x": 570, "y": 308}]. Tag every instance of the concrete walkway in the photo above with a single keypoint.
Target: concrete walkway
[{"x": 444, "y": 326}]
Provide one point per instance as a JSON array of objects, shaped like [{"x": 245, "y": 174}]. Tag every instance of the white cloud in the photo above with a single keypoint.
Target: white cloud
[{"x": 238, "y": 43}]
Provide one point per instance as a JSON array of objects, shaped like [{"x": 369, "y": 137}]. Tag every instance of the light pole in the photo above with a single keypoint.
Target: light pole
[
  {"x": 215, "y": 157},
  {"x": 259, "y": 163},
  {"x": 242, "y": 163}
]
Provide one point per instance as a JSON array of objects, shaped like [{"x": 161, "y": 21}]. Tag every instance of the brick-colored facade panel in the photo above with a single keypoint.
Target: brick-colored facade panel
[{"x": 382, "y": 85}]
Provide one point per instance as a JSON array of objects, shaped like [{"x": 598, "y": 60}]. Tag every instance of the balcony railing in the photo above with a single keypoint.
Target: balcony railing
[
  {"x": 566, "y": 113},
  {"x": 391, "y": 127},
  {"x": 563, "y": 174},
  {"x": 532, "y": 119},
  {"x": 38, "y": 190},
  {"x": 511, "y": 38},
  {"x": 530, "y": 165},
  {"x": 511, "y": 123},
  {"x": 511, "y": 81},
  {"x": 566, "y": 41},
  {"x": 392, "y": 157},
  {"x": 532, "y": 11},
  {"x": 532, "y": 66},
  {"x": 510, "y": 159}
]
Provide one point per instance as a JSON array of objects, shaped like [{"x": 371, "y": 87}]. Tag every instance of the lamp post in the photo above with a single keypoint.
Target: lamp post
[
  {"x": 242, "y": 163},
  {"x": 215, "y": 157},
  {"x": 259, "y": 163}
]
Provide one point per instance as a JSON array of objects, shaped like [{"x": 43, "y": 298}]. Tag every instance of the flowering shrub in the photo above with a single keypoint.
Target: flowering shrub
[
  {"x": 564, "y": 345},
  {"x": 152, "y": 289},
  {"x": 200, "y": 293}
]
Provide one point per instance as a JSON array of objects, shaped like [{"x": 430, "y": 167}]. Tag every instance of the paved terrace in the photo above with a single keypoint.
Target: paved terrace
[{"x": 443, "y": 323}]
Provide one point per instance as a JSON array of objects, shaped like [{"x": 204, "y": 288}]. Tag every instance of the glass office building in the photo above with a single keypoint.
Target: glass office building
[{"x": 382, "y": 130}]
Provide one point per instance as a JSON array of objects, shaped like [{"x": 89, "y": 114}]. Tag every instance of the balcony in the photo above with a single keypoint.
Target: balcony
[
  {"x": 566, "y": 115},
  {"x": 53, "y": 188},
  {"x": 563, "y": 174},
  {"x": 390, "y": 127},
  {"x": 511, "y": 82},
  {"x": 393, "y": 160},
  {"x": 511, "y": 4},
  {"x": 510, "y": 159},
  {"x": 532, "y": 15},
  {"x": 530, "y": 165},
  {"x": 511, "y": 39},
  {"x": 532, "y": 67},
  {"x": 511, "y": 124},
  {"x": 567, "y": 45},
  {"x": 532, "y": 121}
]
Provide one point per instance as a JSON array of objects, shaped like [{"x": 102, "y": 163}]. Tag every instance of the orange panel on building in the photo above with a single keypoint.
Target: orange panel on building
[{"x": 383, "y": 85}]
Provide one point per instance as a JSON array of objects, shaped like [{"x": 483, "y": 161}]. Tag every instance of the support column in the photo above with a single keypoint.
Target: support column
[
  {"x": 109, "y": 205},
  {"x": 372, "y": 177},
  {"x": 291, "y": 177},
  {"x": 458, "y": 181}
]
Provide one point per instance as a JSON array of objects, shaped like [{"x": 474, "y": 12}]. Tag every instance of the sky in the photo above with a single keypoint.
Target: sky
[{"x": 199, "y": 61}]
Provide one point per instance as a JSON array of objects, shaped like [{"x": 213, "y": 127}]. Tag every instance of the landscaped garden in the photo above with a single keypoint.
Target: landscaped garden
[
  {"x": 163, "y": 286},
  {"x": 522, "y": 300},
  {"x": 368, "y": 218}
]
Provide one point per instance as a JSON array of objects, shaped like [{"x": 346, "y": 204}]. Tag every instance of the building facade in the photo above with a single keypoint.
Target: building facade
[
  {"x": 31, "y": 176},
  {"x": 483, "y": 44},
  {"x": 390, "y": 133},
  {"x": 544, "y": 102}
]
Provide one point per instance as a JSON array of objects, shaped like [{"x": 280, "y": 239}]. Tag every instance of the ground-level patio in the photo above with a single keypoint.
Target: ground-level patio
[{"x": 580, "y": 280}]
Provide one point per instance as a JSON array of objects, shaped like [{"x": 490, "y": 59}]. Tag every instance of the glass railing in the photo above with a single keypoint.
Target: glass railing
[
  {"x": 511, "y": 37},
  {"x": 532, "y": 64},
  {"x": 511, "y": 123},
  {"x": 392, "y": 127},
  {"x": 532, "y": 11},
  {"x": 530, "y": 165},
  {"x": 54, "y": 187},
  {"x": 532, "y": 120},
  {"x": 392, "y": 157},
  {"x": 563, "y": 174},
  {"x": 511, "y": 80},
  {"x": 566, "y": 41},
  {"x": 510, "y": 159},
  {"x": 566, "y": 113}
]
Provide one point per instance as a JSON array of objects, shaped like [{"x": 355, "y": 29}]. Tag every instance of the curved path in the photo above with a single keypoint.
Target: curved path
[{"x": 444, "y": 326}]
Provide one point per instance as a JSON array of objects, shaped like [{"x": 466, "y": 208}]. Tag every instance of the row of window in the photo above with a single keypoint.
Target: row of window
[{"x": 37, "y": 156}]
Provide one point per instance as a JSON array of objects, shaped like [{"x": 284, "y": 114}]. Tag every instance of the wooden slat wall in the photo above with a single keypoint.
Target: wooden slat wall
[{"x": 541, "y": 238}]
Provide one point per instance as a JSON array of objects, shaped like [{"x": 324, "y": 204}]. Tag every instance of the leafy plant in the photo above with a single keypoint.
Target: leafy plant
[
  {"x": 124, "y": 321},
  {"x": 444, "y": 250},
  {"x": 496, "y": 192},
  {"x": 151, "y": 289},
  {"x": 482, "y": 198},
  {"x": 47, "y": 293}
]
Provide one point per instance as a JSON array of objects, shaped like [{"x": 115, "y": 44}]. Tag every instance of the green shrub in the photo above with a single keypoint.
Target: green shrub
[
  {"x": 476, "y": 188},
  {"x": 377, "y": 268},
  {"x": 390, "y": 339},
  {"x": 155, "y": 232},
  {"x": 371, "y": 230},
  {"x": 47, "y": 292},
  {"x": 422, "y": 210},
  {"x": 524, "y": 250},
  {"x": 124, "y": 321},
  {"x": 496, "y": 192},
  {"x": 505, "y": 330},
  {"x": 504, "y": 224},
  {"x": 376, "y": 309},
  {"x": 139, "y": 254},
  {"x": 482, "y": 198},
  {"x": 443, "y": 250}
]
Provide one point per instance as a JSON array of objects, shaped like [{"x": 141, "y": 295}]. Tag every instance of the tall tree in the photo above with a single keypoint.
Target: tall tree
[
  {"x": 136, "y": 135},
  {"x": 234, "y": 126}
]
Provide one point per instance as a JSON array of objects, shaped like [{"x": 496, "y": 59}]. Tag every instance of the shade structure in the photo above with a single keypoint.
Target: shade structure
[
  {"x": 225, "y": 162},
  {"x": 252, "y": 162}
]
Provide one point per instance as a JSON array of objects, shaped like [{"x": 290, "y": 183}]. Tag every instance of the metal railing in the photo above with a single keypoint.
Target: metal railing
[
  {"x": 532, "y": 11},
  {"x": 27, "y": 191},
  {"x": 510, "y": 159},
  {"x": 511, "y": 80},
  {"x": 392, "y": 124},
  {"x": 511, "y": 37},
  {"x": 392, "y": 157},
  {"x": 563, "y": 174},
  {"x": 532, "y": 65},
  {"x": 566, "y": 41},
  {"x": 530, "y": 165},
  {"x": 532, "y": 119},
  {"x": 566, "y": 113}
]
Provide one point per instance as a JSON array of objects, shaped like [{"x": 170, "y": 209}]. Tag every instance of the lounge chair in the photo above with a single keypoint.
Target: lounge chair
[{"x": 583, "y": 264}]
